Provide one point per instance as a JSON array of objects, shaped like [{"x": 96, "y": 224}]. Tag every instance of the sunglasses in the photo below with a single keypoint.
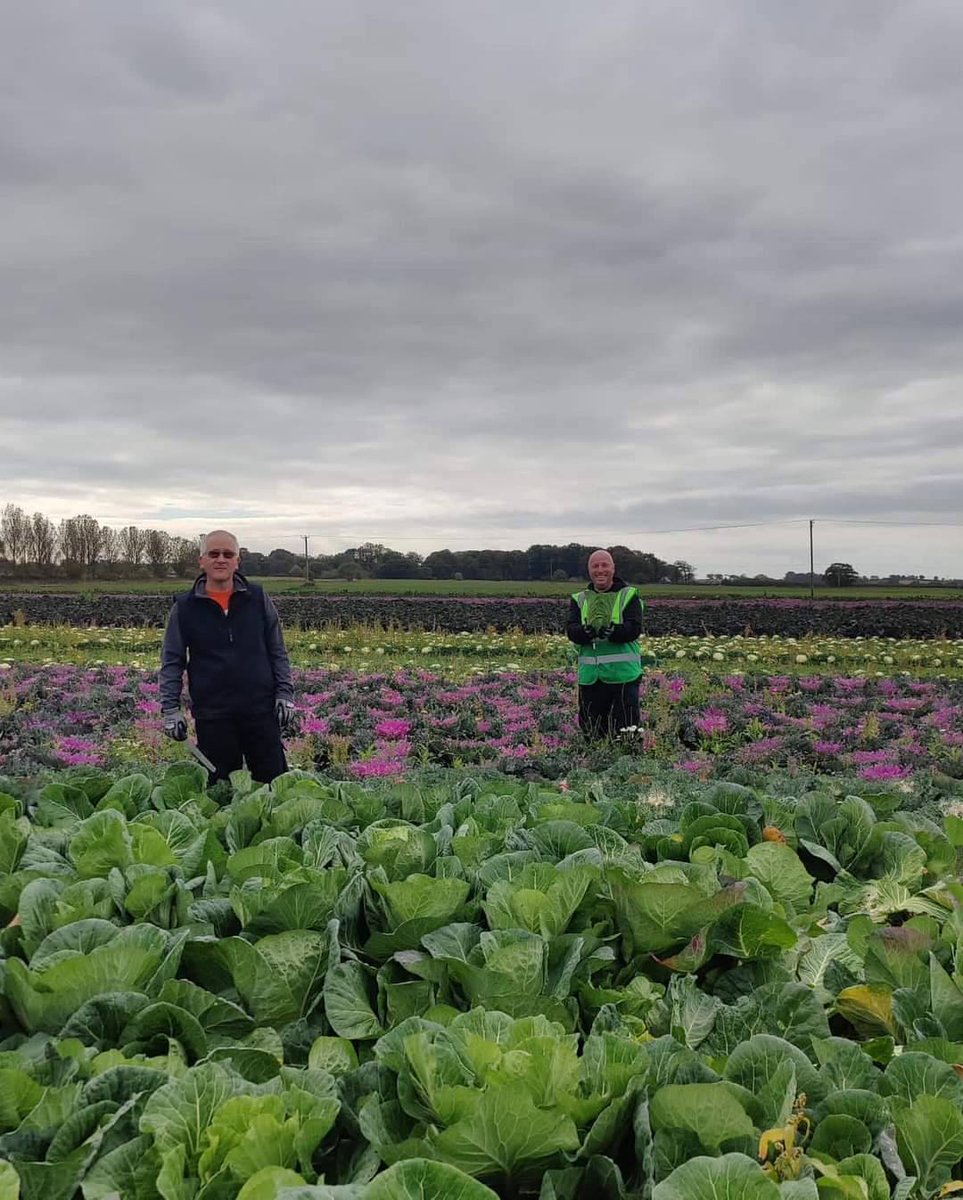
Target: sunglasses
[{"x": 221, "y": 553}]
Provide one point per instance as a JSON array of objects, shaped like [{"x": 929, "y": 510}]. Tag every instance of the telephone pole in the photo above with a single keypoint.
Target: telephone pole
[
  {"x": 812, "y": 573},
  {"x": 307, "y": 561}
]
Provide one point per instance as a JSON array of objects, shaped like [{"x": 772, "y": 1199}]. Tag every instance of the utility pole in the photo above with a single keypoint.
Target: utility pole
[
  {"x": 812, "y": 573},
  {"x": 307, "y": 561}
]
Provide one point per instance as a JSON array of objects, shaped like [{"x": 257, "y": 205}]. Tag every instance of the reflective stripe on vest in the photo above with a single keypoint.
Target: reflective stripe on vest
[{"x": 607, "y": 658}]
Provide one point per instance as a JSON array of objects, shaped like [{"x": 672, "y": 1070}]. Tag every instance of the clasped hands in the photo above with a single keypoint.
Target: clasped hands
[{"x": 599, "y": 633}]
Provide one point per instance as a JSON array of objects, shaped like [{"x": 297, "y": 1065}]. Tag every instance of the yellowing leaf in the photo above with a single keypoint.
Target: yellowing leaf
[{"x": 869, "y": 1007}]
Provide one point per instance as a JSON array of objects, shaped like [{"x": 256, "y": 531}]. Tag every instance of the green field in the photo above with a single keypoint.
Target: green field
[{"x": 482, "y": 587}]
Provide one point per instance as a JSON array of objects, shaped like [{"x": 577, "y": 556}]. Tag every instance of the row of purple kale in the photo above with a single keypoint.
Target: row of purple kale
[{"x": 788, "y": 618}]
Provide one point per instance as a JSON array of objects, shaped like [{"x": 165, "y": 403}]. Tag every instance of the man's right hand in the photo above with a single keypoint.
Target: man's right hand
[
  {"x": 590, "y": 632},
  {"x": 175, "y": 725}
]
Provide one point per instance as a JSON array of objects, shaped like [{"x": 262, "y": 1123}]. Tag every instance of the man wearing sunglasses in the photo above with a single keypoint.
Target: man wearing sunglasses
[{"x": 226, "y": 632}]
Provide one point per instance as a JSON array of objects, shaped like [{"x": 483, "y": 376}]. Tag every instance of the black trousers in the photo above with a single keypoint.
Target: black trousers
[
  {"x": 231, "y": 742},
  {"x": 605, "y": 708}
]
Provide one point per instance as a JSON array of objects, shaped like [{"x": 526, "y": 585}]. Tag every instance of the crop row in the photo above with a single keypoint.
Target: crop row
[
  {"x": 369, "y": 724},
  {"x": 460, "y": 654},
  {"x": 476, "y": 989},
  {"x": 790, "y": 618}
]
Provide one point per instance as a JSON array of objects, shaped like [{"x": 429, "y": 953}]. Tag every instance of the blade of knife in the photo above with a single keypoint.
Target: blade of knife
[{"x": 202, "y": 758}]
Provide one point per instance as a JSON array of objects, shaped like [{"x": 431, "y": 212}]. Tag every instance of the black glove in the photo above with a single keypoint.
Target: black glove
[
  {"x": 606, "y": 632},
  {"x": 590, "y": 632},
  {"x": 284, "y": 711},
  {"x": 175, "y": 725}
]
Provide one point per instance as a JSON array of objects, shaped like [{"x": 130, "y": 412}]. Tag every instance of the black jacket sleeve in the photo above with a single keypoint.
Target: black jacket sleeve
[
  {"x": 173, "y": 662},
  {"x": 574, "y": 629},
  {"x": 277, "y": 651},
  {"x": 629, "y": 628}
]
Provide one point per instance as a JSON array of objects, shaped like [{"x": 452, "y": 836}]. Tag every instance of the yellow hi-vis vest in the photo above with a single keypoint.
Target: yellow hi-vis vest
[{"x": 608, "y": 662}]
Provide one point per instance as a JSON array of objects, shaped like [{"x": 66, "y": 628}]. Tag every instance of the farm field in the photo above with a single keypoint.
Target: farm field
[
  {"x": 478, "y": 987},
  {"x": 386, "y": 723},
  {"x": 363, "y": 647},
  {"x": 456, "y": 952},
  {"x": 482, "y": 587}
]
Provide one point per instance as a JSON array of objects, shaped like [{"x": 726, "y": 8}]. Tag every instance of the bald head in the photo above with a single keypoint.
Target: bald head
[
  {"x": 219, "y": 536},
  {"x": 601, "y": 570}
]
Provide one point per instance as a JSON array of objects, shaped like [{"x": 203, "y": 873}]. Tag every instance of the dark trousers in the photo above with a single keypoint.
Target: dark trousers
[
  {"x": 230, "y": 742},
  {"x": 605, "y": 708}
]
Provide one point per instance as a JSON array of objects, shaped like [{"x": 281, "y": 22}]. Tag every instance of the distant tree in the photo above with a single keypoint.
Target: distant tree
[
  {"x": 132, "y": 545},
  {"x": 109, "y": 546},
  {"x": 636, "y": 566},
  {"x": 42, "y": 542},
  {"x": 394, "y": 565},
  {"x": 15, "y": 532},
  {"x": 89, "y": 539},
  {"x": 157, "y": 550},
  {"x": 370, "y": 554},
  {"x": 490, "y": 564},
  {"x": 252, "y": 561},
  {"x": 70, "y": 547},
  {"x": 840, "y": 574},
  {"x": 573, "y": 559},
  {"x": 541, "y": 561},
  {"x": 280, "y": 561},
  {"x": 183, "y": 556},
  {"x": 516, "y": 565},
  {"x": 441, "y": 564},
  {"x": 685, "y": 572},
  {"x": 323, "y": 564}
]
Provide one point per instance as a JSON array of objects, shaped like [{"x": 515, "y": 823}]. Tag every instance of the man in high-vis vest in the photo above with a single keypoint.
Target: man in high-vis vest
[{"x": 605, "y": 622}]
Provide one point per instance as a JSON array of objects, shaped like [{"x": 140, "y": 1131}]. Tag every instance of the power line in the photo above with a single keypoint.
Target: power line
[
  {"x": 714, "y": 528},
  {"x": 433, "y": 533},
  {"x": 897, "y": 524},
  {"x": 590, "y": 536}
]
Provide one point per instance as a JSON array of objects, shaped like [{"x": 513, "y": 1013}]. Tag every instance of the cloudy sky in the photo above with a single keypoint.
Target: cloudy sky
[{"x": 442, "y": 273}]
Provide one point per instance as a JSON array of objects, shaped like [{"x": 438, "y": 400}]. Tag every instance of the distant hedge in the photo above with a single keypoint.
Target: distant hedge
[{"x": 790, "y": 618}]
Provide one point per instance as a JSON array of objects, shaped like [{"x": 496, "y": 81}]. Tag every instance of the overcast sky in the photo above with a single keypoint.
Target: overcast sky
[{"x": 440, "y": 273}]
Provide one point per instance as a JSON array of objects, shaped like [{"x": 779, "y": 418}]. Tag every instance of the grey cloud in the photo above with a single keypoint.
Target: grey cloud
[{"x": 517, "y": 265}]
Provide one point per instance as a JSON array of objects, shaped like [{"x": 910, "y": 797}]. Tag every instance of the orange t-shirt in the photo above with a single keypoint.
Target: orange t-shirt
[{"x": 223, "y": 598}]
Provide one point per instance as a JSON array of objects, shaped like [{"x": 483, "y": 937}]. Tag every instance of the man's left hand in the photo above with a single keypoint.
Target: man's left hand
[
  {"x": 284, "y": 711},
  {"x": 606, "y": 632}
]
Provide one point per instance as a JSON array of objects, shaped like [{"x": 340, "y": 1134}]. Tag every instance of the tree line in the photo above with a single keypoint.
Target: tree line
[
  {"x": 80, "y": 547},
  {"x": 33, "y": 546},
  {"x": 372, "y": 560}
]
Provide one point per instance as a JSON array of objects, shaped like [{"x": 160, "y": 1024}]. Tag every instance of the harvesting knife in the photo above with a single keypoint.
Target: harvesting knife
[{"x": 202, "y": 758}]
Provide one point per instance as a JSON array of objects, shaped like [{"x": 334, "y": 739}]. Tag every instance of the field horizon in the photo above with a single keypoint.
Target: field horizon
[{"x": 482, "y": 587}]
